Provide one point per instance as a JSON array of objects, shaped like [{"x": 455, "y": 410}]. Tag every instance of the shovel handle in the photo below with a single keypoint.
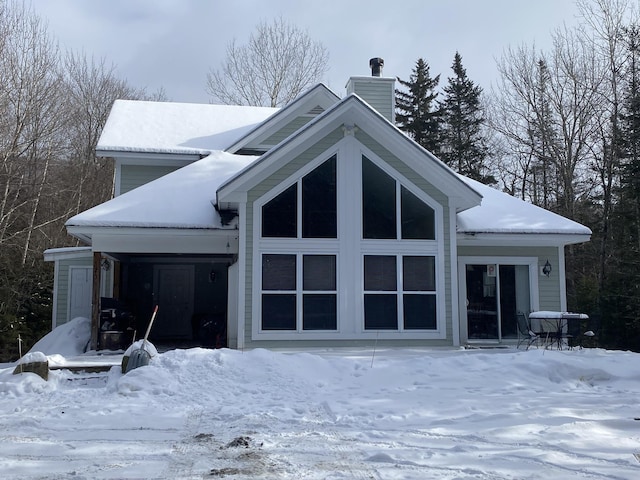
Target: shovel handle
[{"x": 155, "y": 310}]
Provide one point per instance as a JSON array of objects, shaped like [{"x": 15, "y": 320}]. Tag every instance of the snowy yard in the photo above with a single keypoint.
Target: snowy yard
[{"x": 403, "y": 414}]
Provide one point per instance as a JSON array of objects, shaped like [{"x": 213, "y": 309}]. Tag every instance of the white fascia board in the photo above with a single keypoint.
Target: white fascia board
[
  {"x": 519, "y": 239},
  {"x": 271, "y": 161},
  {"x": 319, "y": 95},
  {"x": 164, "y": 240},
  {"x": 53, "y": 254},
  {"x": 412, "y": 154},
  {"x": 353, "y": 111},
  {"x": 155, "y": 158}
]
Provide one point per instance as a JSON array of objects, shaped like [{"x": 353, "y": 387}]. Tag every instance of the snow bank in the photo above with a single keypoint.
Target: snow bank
[
  {"x": 69, "y": 339},
  {"x": 403, "y": 414}
]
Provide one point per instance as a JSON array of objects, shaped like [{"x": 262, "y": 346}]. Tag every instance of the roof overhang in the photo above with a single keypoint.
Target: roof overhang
[
  {"x": 517, "y": 239},
  {"x": 351, "y": 114},
  {"x": 318, "y": 96},
  {"x": 130, "y": 156},
  {"x": 64, "y": 253},
  {"x": 157, "y": 240}
]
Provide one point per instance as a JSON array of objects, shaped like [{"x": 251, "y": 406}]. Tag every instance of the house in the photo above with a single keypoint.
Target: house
[{"x": 318, "y": 224}]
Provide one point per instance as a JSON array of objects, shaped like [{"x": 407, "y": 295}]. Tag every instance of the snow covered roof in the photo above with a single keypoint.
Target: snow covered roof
[
  {"x": 503, "y": 213},
  {"x": 166, "y": 127},
  {"x": 181, "y": 199},
  {"x": 184, "y": 199}
]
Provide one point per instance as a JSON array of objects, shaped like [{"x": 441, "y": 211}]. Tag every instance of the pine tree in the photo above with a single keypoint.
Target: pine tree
[
  {"x": 543, "y": 140},
  {"x": 620, "y": 292},
  {"x": 417, "y": 112},
  {"x": 463, "y": 144}
]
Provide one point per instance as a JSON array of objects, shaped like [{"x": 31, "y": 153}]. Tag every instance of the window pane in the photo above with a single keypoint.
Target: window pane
[
  {"x": 380, "y": 312},
  {"x": 419, "y": 274},
  {"x": 279, "y": 216},
  {"x": 319, "y": 272},
  {"x": 319, "y": 204},
  {"x": 319, "y": 312},
  {"x": 419, "y": 312},
  {"x": 278, "y": 312},
  {"x": 418, "y": 218},
  {"x": 378, "y": 202},
  {"x": 380, "y": 273},
  {"x": 278, "y": 272}
]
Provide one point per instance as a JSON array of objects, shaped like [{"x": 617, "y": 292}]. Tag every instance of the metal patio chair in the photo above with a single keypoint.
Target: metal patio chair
[{"x": 525, "y": 334}]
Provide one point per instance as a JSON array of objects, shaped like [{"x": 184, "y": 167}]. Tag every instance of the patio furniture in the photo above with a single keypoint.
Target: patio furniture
[
  {"x": 555, "y": 326},
  {"x": 525, "y": 334}
]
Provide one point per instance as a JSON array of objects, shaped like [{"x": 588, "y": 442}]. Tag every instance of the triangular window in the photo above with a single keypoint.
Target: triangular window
[
  {"x": 381, "y": 209},
  {"x": 317, "y": 193}
]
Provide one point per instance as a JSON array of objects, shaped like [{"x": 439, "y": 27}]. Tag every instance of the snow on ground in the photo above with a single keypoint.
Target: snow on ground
[{"x": 342, "y": 414}]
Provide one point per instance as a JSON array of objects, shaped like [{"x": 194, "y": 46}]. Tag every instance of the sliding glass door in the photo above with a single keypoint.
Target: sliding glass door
[{"x": 495, "y": 293}]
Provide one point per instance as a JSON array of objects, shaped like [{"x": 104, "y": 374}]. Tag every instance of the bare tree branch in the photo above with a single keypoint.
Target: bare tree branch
[{"x": 273, "y": 68}]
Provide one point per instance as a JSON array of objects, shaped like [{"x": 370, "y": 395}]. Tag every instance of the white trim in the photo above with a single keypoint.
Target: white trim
[
  {"x": 55, "y": 254},
  {"x": 56, "y": 288},
  {"x": 320, "y": 95},
  {"x": 349, "y": 248},
  {"x": 523, "y": 239},
  {"x": 454, "y": 282},
  {"x": 161, "y": 240},
  {"x": 534, "y": 288},
  {"x": 153, "y": 158},
  {"x": 352, "y": 111},
  {"x": 242, "y": 274},
  {"x": 562, "y": 279}
]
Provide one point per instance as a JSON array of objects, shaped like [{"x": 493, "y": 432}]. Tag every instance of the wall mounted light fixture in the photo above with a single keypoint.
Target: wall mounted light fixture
[{"x": 547, "y": 268}]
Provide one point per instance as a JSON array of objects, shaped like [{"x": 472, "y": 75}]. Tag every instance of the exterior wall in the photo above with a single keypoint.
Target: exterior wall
[
  {"x": 437, "y": 195},
  {"x": 548, "y": 287},
  {"x": 290, "y": 169},
  {"x": 133, "y": 176},
  {"x": 254, "y": 194},
  {"x": 287, "y": 130}
]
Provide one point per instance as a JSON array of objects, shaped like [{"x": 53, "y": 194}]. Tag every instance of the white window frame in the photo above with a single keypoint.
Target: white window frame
[
  {"x": 299, "y": 293},
  {"x": 400, "y": 292},
  {"x": 349, "y": 248}
]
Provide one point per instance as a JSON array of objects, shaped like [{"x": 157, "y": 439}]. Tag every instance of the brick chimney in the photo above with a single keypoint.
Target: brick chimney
[{"x": 376, "y": 90}]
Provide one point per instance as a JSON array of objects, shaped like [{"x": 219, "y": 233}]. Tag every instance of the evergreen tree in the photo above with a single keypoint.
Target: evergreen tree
[
  {"x": 621, "y": 289},
  {"x": 543, "y": 140},
  {"x": 417, "y": 112},
  {"x": 463, "y": 144}
]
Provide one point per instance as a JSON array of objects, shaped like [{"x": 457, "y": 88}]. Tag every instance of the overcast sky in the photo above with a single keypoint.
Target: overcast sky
[{"x": 173, "y": 43}]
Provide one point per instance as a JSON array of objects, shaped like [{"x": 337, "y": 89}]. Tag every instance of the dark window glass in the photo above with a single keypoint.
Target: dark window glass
[
  {"x": 418, "y": 218},
  {"x": 419, "y": 312},
  {"x": 380, "y": 273},
  {"x": 278, "y": 272},
  {"x": 319, "y": 202},
  {"x": 380, "y": 312},
  {"x": 278, "y": 312},
  {"x": 418, "y": 274},
  {"x": 319, "y": 272},
  {"x": 378, "y": 202},
  {"x": 319, "y": 312},
  {"x": 279, "y": 216}
]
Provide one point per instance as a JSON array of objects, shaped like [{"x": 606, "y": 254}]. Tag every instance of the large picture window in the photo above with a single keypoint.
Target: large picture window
[
  {"x": 348, "y": 248},
  {"x": 400, "y": 292},
  {"x": 299, "y": 292}
]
